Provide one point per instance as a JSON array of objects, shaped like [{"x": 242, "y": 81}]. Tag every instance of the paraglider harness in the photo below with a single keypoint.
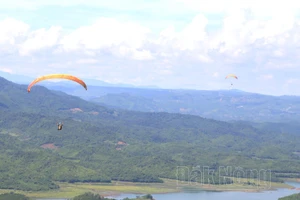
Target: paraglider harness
[{"x": 59, "y": 126}]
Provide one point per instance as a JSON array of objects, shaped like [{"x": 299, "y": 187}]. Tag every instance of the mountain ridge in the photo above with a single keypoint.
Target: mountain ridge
[{"x": 92, "y": 141}]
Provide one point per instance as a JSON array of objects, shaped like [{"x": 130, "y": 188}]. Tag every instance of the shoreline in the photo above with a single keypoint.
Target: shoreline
[
  {"x": 116, "y": 194},
  {"x": 117, "y": 188},
  {"x": 206, "y": 188}
]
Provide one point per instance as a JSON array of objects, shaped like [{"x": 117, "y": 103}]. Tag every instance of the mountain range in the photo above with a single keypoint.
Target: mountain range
[
  {"x": 225, "y": 105},
  {"x": 100, "y": 143}
]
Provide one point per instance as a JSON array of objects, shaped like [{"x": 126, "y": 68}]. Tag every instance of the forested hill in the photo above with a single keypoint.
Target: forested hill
[
  {"x": 291, "y": 197},
  {"x": 100, "y": 144},
  {"x": 223, "y": 105},
  {"x": 14, "y": 97}
]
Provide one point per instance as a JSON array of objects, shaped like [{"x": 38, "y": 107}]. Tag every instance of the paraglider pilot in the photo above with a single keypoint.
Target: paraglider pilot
[{"x": 59, "y": 126}]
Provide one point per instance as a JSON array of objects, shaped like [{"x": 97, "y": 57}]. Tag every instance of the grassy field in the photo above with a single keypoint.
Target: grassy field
[
  {"x": 68, "y": 190},
  {"x": 238, "y": 185}
]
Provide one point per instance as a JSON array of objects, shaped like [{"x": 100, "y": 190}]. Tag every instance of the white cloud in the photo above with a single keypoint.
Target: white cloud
[
  {"x": 292, "y": 80},
  {"x": 124, "y": 38},
  {"x": 134, "y": 53},
  {"x": 280, "y": 65},
  {"x": 279, "y": 53},
  {"x": 127, "y": 39},
  {"x": 11, "y": 30},
  {"x": 249, "y": 42},
  {"x": 86, "y": 61},
  {"x": 5, "y": 69},
  {"x": 189, "y": 38},
  {"x": 266, "y": 76},
  {"x": 216, "y": 75},
  {"x": 40, "y": 39}
]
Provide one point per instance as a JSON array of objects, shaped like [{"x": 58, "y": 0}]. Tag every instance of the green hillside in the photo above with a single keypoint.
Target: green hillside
[
  {"x": 98, "y": 144},
  {"x": 223, "y": 105},
  {"x": 291, "y": 197},
  {"x": 13, "y": 196}
]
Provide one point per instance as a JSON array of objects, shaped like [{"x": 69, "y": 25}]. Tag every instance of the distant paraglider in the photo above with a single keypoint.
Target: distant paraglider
[
  {"x": 231, "y": 76},
  {"x": 59, "y": 126},
  {"x": 56, "y": 76}
]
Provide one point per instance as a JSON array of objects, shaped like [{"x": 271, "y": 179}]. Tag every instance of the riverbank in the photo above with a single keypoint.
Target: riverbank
[
  {"x": 68, "y": 190},
  {"x": 297, "y": 180}
]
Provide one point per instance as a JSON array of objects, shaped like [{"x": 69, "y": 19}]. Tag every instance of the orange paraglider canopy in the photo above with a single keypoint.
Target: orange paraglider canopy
[
  {"x": 56, "y": 76},
  {"x": 231, "y": 75}
]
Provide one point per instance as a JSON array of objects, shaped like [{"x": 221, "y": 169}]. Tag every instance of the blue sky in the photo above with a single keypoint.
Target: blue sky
[{"x": 189, "y": 44}]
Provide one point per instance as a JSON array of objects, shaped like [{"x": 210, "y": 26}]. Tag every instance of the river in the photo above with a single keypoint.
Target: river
[{"x": 204, "y": 195}]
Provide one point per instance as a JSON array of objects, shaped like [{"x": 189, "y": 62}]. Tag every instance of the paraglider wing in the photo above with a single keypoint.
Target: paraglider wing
[
  {"x": 57, "y": 76},
  {"x": 231, "y": 75}
]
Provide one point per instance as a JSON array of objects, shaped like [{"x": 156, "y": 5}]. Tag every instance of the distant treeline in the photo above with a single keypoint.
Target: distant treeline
[{"x": 85, "y": 196}]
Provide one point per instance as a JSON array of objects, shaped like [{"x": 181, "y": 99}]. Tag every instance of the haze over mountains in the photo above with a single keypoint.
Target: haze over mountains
[
  {"x": 26, "y": 80},
  {"x": 226, "y": 105}
]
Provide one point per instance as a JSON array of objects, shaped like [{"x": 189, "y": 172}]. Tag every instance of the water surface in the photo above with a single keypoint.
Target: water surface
[{"x": 205, "y": 195}]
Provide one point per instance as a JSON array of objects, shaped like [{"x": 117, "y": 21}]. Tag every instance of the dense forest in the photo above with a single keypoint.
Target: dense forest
[
  {"x": 90, "y": 196},
  {"x": 99, "y": 144},
  {"x": 85, "y": 196},
  {"x": 13, "y": 196},
  {"x": 291, "y": 197},
  {"x": 222, "y": 105}
]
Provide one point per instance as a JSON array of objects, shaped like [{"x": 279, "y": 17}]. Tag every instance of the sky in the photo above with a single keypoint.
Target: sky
[{"x": 186, "y": 44}]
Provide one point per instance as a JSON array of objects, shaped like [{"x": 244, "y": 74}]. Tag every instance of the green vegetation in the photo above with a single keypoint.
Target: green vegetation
[
  {"x": 291, "y": 197},
  {"x": 90, "y": 196},
  {"x": 221, "y": 105},
  {"x": 85, "y": 196},
  {"x": 101, "y": 145},
  {"x": 146, "y": 197},
  {"x": 70, "y": 190},
  {"x": 13, "y": 196}
]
